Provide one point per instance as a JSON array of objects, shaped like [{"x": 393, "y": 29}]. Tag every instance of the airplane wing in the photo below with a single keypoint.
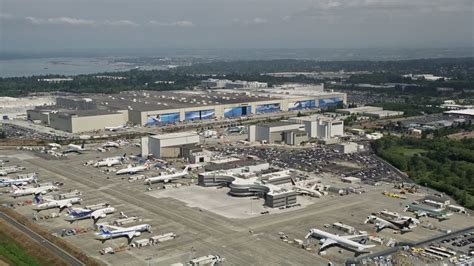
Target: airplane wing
[
  {"x": 352, "y": 236},
  {"x": 113, "y": 227},
  {"x": 328, "y": 242},
  {"x": 131, "y": 235},
  {"x": 381, "y": 225}
]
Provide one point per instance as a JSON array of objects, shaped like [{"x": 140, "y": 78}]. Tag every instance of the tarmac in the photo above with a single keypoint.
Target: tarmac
[{"x": 245, "y": 240}]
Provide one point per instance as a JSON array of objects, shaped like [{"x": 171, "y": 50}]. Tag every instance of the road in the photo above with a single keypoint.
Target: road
[{"x": 68, "y": 258}]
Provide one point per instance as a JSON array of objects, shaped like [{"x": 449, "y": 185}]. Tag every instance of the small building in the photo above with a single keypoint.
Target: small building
[
  {"x": 280, "y": 198},
  {"x": 195, "y": 154},
  {"x": 168, "y": 145},
  {"x": 359, "y": 110},
  {"x": 351, "y": 180},
  {"x": 321, "y": 127},
  {"x": 347, "y": 147},
  {"x": 383, "y": 114},
  {"x": 281, "y": 132}
]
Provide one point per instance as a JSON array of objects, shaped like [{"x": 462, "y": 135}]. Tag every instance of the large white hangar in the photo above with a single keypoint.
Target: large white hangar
[{"x": 167, "y": 107}]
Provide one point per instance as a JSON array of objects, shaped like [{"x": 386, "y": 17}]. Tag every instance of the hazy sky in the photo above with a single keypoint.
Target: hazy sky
[{"x": 48, "y": 25}]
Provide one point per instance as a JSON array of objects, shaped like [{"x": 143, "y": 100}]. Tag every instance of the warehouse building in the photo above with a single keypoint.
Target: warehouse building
[
  {"x": 359, "y": 110},
  {"x": 281, "y": 132},
  {"x": 149, "y": 108},
  {"x": 168, "y": 145},
  {"x": 320, "y": 127},
  {"x": 85, "y": 120}
]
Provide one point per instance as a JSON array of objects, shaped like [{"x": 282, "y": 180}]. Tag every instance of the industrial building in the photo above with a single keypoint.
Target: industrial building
[
  {"x": 347, "y": 147},
  {"x": 321, "y": 127},
  {"x": 11, "y": 108},
  {"x": 212, "y": 83},
  {"x": 160, "y": 108},
  {"x": 171, "y": 145},
  {"x": 249, "y": 180},
  {"x": 370, "y": 111},
  {"x": 278, "y": 133}
]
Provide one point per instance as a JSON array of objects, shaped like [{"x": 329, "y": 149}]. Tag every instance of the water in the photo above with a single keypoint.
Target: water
[{"x": 63, "y": 66}]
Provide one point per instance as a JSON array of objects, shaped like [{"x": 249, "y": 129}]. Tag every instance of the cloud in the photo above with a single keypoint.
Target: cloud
[
  {"x": 254, "y": 21},
  {"x": 6, "y": 16},
  {"x": 61, "y": 21},
  {"x": 120, "y": 23},
  {"x": 179, "y": 23}
]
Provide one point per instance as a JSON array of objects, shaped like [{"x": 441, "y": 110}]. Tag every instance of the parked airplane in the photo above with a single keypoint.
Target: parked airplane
[
  {"x": 328, "y": 239},
  {"x": 167, "y": 178},
  {"x": 134, "y": 169},
  {"x": 76, "y": 214},
  {"x": 61, "y": 204},
  {"x": 123, "y": 126},
  {"x": 54, "y": 145},
  {"x": 420, "y": 211},
  {"x": 130, "y": 232},
  {"x": 5, "y": 170},
  {"x": 401, "y": 225},
  {"x": 110, "y": 144},
  {"x": 111, "y": 161},
  {"x": 19, "y": 192},
  {"x": 74, "y": 148},
  {"x": 4, "y": 182}
]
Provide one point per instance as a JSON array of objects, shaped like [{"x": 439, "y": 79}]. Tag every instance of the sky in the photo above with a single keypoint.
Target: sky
[{"x": 49, "y": 25}]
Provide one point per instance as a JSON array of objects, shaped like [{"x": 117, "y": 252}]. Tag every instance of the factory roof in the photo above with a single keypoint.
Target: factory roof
[
  {"x": 174, "y": 135},
  {"x": 278, "y": 124},
  {"x": 461, "y": 112}
]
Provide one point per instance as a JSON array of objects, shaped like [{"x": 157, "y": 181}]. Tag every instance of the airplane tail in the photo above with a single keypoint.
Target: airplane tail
[
  {"x": 82, "y": 145},
  {"x": 38, "y": 199},
  {"x": 103, "y": 229},
  {"x": 186, "y": 169},
  {"x": 293, "y": 181}
]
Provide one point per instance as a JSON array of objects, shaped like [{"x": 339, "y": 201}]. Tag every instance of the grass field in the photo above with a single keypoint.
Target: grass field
[
  {"x": 13, "y": 253},
  {"x": 17, "y": 248},
  {"x": 406, "y": 151}
]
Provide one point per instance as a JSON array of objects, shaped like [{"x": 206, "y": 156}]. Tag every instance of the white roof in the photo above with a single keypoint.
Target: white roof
[
  {"x": 461, "y": 112},
  {"x": 174, "y": 135}
]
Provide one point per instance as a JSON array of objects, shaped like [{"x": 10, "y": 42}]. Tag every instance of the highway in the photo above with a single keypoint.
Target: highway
[{"x": 68, "y": 258}]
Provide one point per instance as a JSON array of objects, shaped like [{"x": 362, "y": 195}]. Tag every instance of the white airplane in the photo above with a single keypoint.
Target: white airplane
[
  {"x": 123, "y": 126},
  {"x": 111, "y": 161},
  {"x": 19, "y": 192},
  {"x": 134, "y": 169},
  {"x": 400, "y": 225},
  {"x": 166, "y": 178},
  {"x": 74, "y": 148},
  {"x": 130, "y": 232},
  {"x": 110, "y": 144},
  {"x": 76, "y": 214},
  {"x": 11, "y": 169},
  {"x": 61, "y": 204},
  {"x": 328, "y": 239},
  {"x": 4, "y": 182},
  {"x": 54, "y": 145}
]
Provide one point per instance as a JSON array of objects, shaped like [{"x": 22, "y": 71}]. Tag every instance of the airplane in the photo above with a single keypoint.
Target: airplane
[
  {"x": 167, "y": 178},
  {"x": 4, "y": 171},
  {"x": 76, "y": 214},
  {"x": 19, "y": 192},
  {"x": 130, "y": 232},
  {"x": 401, "y": 225},
  {"x": 328, "y": 239},
  {"x": 61, "y": 204},
  {"x": 111, "y": 161},
  {"x": 54, "y": 145},
  {"x": 440, "y": 214},
  {"x": 74, "y": 148},
  {"x": 17, "y": 182},
  {"x": 134, "y": 169},
  {"x": 123, "y": 126},
  {"x": 110, "y": 144}
]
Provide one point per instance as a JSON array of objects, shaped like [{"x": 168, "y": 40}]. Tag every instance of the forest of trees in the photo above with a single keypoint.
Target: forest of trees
[{"x": 440, "y": 163}]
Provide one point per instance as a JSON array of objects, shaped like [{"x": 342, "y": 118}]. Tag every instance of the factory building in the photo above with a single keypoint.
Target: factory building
[
  {"x": 150, "y": 108},
  {"x": 11, "y": 108},
  {"x": 278, "y": 133},
  {"x": 80, "y": 120},
  {"x": 320, "y": 127},
  {"x": 383, "y": 114},
  {"x": 229, "y": 84},
  {"x": 347, "y": 147},
  {"x": 359, "y": 110},
  {"x": 168, "y": 145},
  {"x": 195, "y": 154}
]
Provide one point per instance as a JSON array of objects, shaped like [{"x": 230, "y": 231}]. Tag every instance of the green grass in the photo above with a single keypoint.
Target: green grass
[{"x": 15, "y": 254}]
